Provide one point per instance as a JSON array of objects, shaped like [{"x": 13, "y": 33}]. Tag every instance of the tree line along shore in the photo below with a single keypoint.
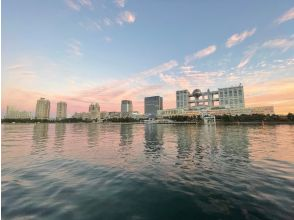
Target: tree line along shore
[{"x": 255, "y": 118}]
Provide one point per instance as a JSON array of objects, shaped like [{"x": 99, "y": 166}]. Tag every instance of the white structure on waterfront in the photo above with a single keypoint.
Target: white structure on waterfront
[
  {"x": 230, "y": 97},
  {"x": 126, "y": 106},
  {"x": 183, "y": 98},
  {"x": 42, "y": 109},
  {"x": 61, "y": 110},
  {"x": 13, "y": 113},
  {"x": 93, "y": 114},
  {"x": 265, "y": 110}
]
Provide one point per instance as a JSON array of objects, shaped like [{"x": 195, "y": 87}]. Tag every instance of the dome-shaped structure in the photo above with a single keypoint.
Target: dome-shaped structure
[{"x": 196, "y": 93}]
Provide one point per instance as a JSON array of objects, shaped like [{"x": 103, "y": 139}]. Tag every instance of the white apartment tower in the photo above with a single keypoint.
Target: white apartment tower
[
  {"x": 94, "y": 111},
  {"x": 61, "y": 110},
  {"x": 183, "y": 99},
  {"x": 42, "y": 109}
]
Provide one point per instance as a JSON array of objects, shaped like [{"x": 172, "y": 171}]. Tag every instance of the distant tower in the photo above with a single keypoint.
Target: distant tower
[
  {"x": 94, "y": 110},
  {"x": 151, "y": 105},
  {"x": 61, "y": 110},
  {"x": 126, "y": 106},
  {"x": 42, "y": 109}
]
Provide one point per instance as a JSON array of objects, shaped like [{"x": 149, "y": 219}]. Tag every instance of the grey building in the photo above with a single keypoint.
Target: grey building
[
  {"x": 182, "y": 98},
  {"x": 151, "y": 105},
  {"x": 126, "y": 106}
]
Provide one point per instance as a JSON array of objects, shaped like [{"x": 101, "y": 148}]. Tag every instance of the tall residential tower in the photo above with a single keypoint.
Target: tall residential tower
[
  {"x": 42, "y": 109},
  {"x": 61, "y": 110}
]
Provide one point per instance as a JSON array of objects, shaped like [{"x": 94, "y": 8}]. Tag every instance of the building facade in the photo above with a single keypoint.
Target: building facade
[
  {"x": 61, "y": 111},
  {"x": 182, "y": 98},
  {"x": 42, "y": 109},
  {"x": 126, "y": 106},
  {"x": 94, "y": 110},
  {"x": 231, "y": 97},
  {"x": 13, "y": 113},
  {"x": 152, "y": 105}
]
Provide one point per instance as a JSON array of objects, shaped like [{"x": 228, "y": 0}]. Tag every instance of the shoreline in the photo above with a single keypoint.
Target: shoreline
[{"x": 183, "y": 122}]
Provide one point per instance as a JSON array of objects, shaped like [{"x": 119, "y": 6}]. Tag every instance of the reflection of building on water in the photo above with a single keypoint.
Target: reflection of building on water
[
  {"x": 93, "y": 134},
  {"x": 126, "y": 134},
  {"x": 60, "y": 129},
  {"x": 185, "y": 135},
  {"x": 153, "y": 139},
  {"x": 40, "y": 136},
  {"x": 234, "y": 141}
]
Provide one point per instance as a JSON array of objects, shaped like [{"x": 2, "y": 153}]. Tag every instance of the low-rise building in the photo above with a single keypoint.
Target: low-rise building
[{"x": 13, "y": 113}]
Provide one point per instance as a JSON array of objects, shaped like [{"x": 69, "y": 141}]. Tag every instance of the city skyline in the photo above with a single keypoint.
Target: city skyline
[{"x": 88, "y": 51}]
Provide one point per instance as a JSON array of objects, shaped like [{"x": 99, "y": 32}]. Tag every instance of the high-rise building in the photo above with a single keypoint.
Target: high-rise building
[
  {"x": 13, "y": 113},
  {"x": 151, "y": 105},
  {"x": 182, "y": 98},
  {"x": 126, "y": 106},
  {"x": 231, "y": 97},
  {"x": 94, "y": 110},
  {"x": 61, "y": 110},
  {"x": 42, "y": 109}
]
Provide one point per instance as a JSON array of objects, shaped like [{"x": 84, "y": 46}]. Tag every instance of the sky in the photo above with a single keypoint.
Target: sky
[{"x": 83, "y": 51}]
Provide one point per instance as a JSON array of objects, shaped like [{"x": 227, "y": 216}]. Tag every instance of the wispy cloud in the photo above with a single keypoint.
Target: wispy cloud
[
  {"x": 74, "y": 48},
  {"x": 126, "y": 17},
  {"x": 238, "y": 38},
  {"x": 200, "y": 54},
  {"x": 120, "y": 3},
  {"x": 77, "y": 4},
  {"x": 247, "y": 57},
  {"x": 280, "y": 43},
  {"x": 107, "y": 39},
  {"x": 287, "y": 16}
]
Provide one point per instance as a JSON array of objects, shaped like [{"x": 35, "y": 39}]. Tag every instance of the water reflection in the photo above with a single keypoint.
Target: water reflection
[
  {"x": 40, "y": 137},
  {"x": 153, "y": 140},
  {"x": 126, "y": 134},
  {"x": 93, "y": 134},
  {"x": 60, "y": 130},
  {"x": 185, "y": 135}
]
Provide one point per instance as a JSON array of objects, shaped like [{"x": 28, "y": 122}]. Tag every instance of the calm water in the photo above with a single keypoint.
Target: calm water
[{"x": 137, "y": 171}]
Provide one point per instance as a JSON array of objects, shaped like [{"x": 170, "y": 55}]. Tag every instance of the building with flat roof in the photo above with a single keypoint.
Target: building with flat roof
[
  {"x": 230, "y": 97},
  {"x": 13, "y": 113},
  {"x": 126, "y": 106},
  {"x": 151, "y": 105},
  {"x": 61, "y": 110},
  {"x": 42, "y": 109},
  {"x": 183, "y": 98}
]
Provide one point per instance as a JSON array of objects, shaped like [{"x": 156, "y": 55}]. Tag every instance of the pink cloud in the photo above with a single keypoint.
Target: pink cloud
[
  {"x": 287, "y": 16},
  {"x": 200, "y": 54},
  {"x": 238, "y": 38}
]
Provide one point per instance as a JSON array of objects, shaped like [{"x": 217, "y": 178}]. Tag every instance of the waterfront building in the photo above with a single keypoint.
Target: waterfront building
[
  {"x": 61, "y": 110},
  {"x": 232, "y": 97},
  {"x": 151, "y": 105},
  {"x": 126, "y": 106},
  {"x": 182, "y": 98},
  {"x": 265, "y": 110},
  {"x": 42, "y": 109},
  {"x": 13, "y": 113},
  {"x": 92, "y": 114}
]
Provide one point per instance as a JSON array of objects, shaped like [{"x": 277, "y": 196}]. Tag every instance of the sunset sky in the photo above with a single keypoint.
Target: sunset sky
[{"x": 83, "y": 51}]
